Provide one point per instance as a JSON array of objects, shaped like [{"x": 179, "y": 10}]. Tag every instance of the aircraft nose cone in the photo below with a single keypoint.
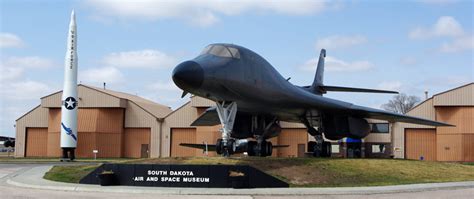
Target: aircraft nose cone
[{"x": 188, "y": 74}]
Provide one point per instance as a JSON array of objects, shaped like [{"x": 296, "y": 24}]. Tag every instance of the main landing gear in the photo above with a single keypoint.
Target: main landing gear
[
  {"x": 321, "y": 148},
  {"x": 227, "y": 145},
  {"x": 260, "y": 148},
  {"x": 253, "y": 148}
]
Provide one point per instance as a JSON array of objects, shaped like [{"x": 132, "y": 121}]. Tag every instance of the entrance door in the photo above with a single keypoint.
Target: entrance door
[
  {"x": 420, "y": 144},
  {"x": 354, "y": 150},
  {"x": 301, "y": 150},
  {"x": 144, "y": 151}
]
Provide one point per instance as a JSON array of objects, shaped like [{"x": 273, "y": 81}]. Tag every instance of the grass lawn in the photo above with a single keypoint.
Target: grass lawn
[
  {"x": 311, "y": 172},
  {"x": 469, "y": 163},
  {"x": 70, "y": 174}
]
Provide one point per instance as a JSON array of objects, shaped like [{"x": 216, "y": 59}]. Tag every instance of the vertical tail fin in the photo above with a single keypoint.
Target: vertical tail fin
[
  {"x": 318, "y": 78},
  {"x": 319, "y": 88}
]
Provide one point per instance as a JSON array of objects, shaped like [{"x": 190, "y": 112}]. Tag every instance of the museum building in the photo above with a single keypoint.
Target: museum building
[
  {"x": 117, "y": 124},
  {"x": 113, "y": 123},
  {"x": 453, "y": 143}
]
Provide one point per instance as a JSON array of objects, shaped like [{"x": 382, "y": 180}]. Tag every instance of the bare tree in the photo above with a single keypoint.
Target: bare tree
[{"x": 401, "y": 103}]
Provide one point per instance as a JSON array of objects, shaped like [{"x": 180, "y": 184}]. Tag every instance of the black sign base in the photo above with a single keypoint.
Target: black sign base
[{"x": 216, "y": 176}]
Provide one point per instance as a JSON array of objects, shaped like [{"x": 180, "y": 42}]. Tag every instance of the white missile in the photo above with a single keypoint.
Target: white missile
[{"x": 69, "y": 98}]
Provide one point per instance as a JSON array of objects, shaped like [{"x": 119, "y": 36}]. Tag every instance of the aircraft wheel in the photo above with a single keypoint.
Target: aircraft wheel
[
  {"x": 219, "y": 146},
  {"x": 251, "y": 148},
  {"x": 326, "y": 149},
  {"x": 265, "y": 149},
  {"x": 317, "y": 151},
  {"x": 268, "y": 148},
  {"x": 230, "y": 146}
]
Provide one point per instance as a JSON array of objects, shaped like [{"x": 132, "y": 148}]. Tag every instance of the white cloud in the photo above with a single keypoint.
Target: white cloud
[
  {"x": 200, "y": 12},
  {"x": 100, "y": 75},
  {"x": 28, "y": 62},
  {"x": 337, "y": 65},
  {"x": 390, "y": 85},
  {"x": 338, "y": 42},
  {"x": 333, "y": 64},
  {"x": 12, "y": 68},
  {"x": 204, "y": 20},
  {"x": 24, "y": 90},
  {"x": 458, "y": 44},
  {"x": 10, "y": 73},
  {"x": 446, "y": 26},
  {"x": 18, "y": 97},
  {"x": 140, "y": 59},
  {"x": 165, "y": 92},
  {"x": 9, "y": 40},
  {"x": 163, "y": 86}
]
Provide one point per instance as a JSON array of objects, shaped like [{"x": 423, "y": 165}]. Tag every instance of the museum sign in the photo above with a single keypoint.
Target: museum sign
[{"x": 159, "y": 175}]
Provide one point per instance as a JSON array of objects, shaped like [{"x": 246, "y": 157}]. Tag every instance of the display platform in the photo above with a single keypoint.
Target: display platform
[{"x": 160, "y": 175}]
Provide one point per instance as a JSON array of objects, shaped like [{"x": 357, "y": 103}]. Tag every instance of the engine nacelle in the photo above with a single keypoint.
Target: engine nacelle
[
  {"x": 337, "y": 127},
  {"x": 246, "y": 126}
]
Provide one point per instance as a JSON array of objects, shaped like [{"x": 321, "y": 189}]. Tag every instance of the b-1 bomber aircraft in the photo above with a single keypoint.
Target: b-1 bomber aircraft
[{"x": 252, "y": 98}]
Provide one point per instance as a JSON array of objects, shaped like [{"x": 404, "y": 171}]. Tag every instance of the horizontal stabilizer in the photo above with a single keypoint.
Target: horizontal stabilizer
[
  {"x": 366, "y": 112},
  {"x": 280, "y": 146},
  {"x": 208, "y": 118},
  {"x": 324, "y": 89},
  {"x": 210, "y": 147}
]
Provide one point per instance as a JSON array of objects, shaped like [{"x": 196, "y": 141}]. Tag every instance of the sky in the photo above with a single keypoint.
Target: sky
[{"x": 408, "y": 46}]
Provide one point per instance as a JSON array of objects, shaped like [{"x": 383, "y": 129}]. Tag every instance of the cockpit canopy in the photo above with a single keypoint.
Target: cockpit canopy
[{"x": 221, "y": 51}]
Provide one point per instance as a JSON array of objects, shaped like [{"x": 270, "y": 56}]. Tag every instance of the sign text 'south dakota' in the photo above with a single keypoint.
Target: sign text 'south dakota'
[{"x": 171, "y": 173}]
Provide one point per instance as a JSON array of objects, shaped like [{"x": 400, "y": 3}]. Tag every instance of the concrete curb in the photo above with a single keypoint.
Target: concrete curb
[{"x": 33, "y": 178}]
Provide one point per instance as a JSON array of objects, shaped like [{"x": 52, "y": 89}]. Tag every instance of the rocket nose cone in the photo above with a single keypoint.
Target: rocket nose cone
[
  {"x": 73, "y": 16},
  {"x": 188, "y": 75}
]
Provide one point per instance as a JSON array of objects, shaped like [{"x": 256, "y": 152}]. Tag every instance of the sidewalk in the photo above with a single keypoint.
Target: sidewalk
[{"x": 33, "y": 178}]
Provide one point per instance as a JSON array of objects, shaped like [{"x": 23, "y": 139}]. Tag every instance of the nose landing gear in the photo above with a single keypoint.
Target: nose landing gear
[{"x": 226, "y": 113}]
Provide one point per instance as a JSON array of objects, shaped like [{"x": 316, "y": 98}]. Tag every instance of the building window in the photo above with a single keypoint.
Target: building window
[
  {"x": 378, "y": 148},
  {"x": 335, "y": 148},
  {"x": 379, "y": 128}
]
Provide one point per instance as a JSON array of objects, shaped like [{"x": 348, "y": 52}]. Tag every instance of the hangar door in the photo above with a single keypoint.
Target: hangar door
[
  {"x": 296, "y": 138},
  {"x": 420, "y": 143},
  {"x": 36, "y": 142},
  {"x": 137, "y": 142},
  {"x": 182, "y": 135}
]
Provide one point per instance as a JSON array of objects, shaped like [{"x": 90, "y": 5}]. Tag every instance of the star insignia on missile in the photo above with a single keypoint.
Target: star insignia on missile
[{"x": 70, "y": 103}]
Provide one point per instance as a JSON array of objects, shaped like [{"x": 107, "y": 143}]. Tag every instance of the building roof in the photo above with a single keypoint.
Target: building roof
[
  {"x": 155, "y": 109},
  {"x": 459, "y": 96},
  {"x": 158, "y": 110}
]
